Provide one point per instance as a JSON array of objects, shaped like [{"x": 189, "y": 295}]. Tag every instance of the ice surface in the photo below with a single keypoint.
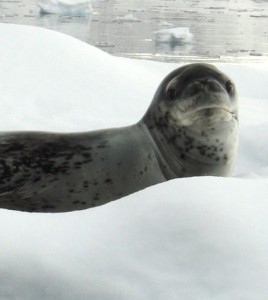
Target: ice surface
[
  {"x": 177, "y": 35},
  {"x": 65, "y": 7},
  {"x": 193, "y": 238}
]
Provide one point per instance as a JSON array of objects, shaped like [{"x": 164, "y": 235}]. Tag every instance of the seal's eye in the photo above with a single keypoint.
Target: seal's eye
[
  {"x": 229, "y": 86},
  {"x": 171, "y": 93}
]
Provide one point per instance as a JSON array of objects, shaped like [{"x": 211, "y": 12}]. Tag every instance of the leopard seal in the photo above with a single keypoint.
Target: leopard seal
[{"x": 190, "y": 129}]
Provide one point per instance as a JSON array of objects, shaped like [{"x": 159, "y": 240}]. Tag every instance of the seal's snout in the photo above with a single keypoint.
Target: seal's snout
[
  {"x": 203, "y": 85},
  {"x": 211, "y": 84}
]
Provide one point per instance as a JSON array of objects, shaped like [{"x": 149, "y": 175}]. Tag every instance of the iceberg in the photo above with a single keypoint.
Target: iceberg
[
  {"x": 177, "y": 35},
  {"x": 65, "y": 7}
]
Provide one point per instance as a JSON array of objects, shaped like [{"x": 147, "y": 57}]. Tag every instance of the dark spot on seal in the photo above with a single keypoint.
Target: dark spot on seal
[
  {"x": 108, "y": 180},
  {"x": 202, "y": 150},
  {"x": 167, "y": 116},
  {"x": 189, "y": 140},
  {"x": 96, "y": 197},
  {"x": 86, "y": 184}
]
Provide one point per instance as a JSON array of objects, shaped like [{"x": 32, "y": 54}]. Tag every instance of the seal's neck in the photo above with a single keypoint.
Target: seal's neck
[{"x": 193, "y": 150}]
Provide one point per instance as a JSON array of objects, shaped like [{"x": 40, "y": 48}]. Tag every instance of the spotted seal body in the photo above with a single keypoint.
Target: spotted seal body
[{"x": 190, "y": 129}]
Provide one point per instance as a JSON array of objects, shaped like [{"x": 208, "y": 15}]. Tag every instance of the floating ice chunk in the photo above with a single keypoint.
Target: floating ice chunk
[
  {"x": 166, "y": 24},
  {"x": 66, "y": 7},
  {"x": 177, "y": 35},
  {"x": 127, "y": 18}
]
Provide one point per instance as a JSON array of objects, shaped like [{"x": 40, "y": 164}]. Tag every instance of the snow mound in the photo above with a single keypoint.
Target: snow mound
[
  {"x": 51, "y": 62},
  {"x": 65, "y": 7},
  {"x": 195, "y": 236},
  {"x": 177, "y": 35},
  {"x": 192, "y": 238}
]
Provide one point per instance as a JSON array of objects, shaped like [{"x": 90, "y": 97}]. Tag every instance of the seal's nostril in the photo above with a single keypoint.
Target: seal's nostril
[
  {"x": 197, "y": 86},
  {"x": 193, "y": 89},
  {"x": 204, "y": 81},
  {"x": 210, "y": 85}
]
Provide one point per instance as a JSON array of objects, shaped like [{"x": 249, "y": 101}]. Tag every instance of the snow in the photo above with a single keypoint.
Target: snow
[
  {"x": 177, "y": 35},
  {"x": 65, "y": 7},
  {"x": 192, "y": 238}
]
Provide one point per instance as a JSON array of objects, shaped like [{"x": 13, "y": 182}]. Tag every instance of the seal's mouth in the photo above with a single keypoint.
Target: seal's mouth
[
  {"x": 205, "y": 114},
  {"x": 213, "y": 110}
]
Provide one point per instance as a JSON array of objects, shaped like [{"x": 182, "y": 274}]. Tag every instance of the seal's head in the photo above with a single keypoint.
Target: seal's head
[{"x": 193, "y": 120}]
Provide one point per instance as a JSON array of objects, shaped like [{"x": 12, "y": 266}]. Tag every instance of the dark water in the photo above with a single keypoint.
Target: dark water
[{"x": 222, "y": 29}]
